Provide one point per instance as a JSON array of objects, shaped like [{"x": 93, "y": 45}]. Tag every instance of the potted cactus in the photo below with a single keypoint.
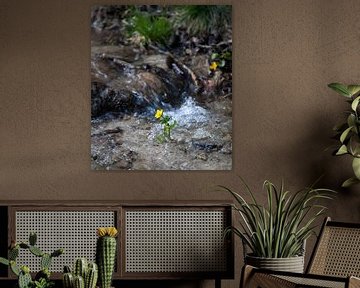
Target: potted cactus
[
  {"x": 42, "y": 278},
  {"x": 106, "y": 254},
  {"x": 84, "y": 275}
]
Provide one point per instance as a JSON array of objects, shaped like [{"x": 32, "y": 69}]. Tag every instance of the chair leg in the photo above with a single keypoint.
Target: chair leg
[
  {"x": 246, "y": 273},
  {"x": 217, "y": 283}
]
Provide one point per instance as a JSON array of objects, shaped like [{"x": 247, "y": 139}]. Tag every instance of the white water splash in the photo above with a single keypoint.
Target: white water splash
[{"x": 189, "y": 114}]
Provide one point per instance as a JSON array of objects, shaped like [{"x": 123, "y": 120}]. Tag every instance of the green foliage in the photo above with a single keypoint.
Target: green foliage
[
  {"x": 348, "y": 132},
  {"x": 279, "y": 229},
  {"x": 167, "y": 125},
  {"x": 153, "y": 28},
  {"x": 42, "y": 278},
  {"x": 203, "y": 19},
  {"x": 43, "y": 283}
]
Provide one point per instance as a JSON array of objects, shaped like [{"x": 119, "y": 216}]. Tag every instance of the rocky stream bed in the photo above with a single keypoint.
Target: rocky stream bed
[{"x": 130, "y": 84}]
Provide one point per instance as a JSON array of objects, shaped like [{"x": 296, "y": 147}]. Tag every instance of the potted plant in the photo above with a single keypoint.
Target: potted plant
[
  {"x": 276, "y": 233},
  {"x": 348, "y": 132},
  {"x": 42, "y": 278}
]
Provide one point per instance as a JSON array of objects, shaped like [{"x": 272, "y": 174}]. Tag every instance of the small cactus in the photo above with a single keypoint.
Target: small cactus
[
  {"x": 13, "y": 253},
  {"x": 68, "y": 280},
  {"x": 14, "y": 268},
  {"x": 88, "y": 273},
  {"x": 45, "y": 261},
  {"x": 44, "y": 273},
  {"x": 24, "y": 280},
  {"x": 79, "y": 282},
  {"x": 91, "y": 276},
  {"x": 106, "y": 254},
  {"x": 57, "y": 252},
  {"x": 81, "y": 266},
  {"x": 36, "y": 251},
  {"x": 23, "y": 273}
]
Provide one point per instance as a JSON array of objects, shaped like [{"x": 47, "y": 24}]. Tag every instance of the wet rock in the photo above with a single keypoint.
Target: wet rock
[
  {"x": 227, "y": 148},
  {"x": 207, "y": 146},
  {"x": 119, "y": 86}
]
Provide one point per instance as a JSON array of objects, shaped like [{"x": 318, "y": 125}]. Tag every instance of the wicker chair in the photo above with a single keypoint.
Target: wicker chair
[{"x": 334, "y": 263}]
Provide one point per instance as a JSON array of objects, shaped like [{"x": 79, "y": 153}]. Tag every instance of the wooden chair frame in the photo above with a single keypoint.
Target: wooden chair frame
[{"x": 319, "y": 272}]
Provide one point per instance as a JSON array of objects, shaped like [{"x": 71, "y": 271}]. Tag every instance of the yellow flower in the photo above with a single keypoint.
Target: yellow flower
[
  {"x": 213, "y": 66},
  {"x": 159, "y": 113},
  {"x": 106, "y": 231}
]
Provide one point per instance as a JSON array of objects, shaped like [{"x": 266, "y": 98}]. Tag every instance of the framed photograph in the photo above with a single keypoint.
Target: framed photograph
[{"x": 161, "y": 87}]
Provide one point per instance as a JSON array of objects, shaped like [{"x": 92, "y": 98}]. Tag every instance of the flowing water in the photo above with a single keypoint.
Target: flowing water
[
  {"x": 201, "y": 140},
  {"x": 126, "y": 91}
]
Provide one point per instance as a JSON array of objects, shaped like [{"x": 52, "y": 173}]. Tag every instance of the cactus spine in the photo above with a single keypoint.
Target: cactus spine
[
  {"x": 80, "y": 267},
  {"x": 79, "y": 282},
  {"x": 84, "y": 276},
  {"x": 68, "y": 280},
  {"x": 91, "y": 276},
  {"x": 106, "y": 254}
]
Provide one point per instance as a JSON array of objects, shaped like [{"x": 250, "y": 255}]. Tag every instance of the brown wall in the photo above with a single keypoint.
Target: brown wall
[{"x": 285, "y": 53}]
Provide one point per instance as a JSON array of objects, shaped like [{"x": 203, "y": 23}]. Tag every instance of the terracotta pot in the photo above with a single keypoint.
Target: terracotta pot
[{"x": 291, "y": 264}]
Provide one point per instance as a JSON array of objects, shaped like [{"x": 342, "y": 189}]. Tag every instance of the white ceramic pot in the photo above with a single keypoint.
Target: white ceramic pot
[{"x": 291, "y": 264}]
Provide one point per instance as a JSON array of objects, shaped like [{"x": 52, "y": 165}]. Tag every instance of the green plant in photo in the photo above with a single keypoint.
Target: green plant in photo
[
  {"x": 168, "y": 126},
  {"x": 348, "y": 132},
  {"x": 153, "y": 28},
  {"x": 203, "y": 19},
  {"x": 279, "y": 228},
  {"x": 220, "y": 60}
]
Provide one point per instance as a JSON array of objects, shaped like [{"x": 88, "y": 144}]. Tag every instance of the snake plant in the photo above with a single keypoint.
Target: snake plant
[{"x": 279, "y": 228}]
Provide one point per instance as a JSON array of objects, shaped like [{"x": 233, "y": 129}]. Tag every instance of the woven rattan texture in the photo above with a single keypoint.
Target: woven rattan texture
[
  {"x": 338, "y": 253},
  {"x": 305, "y": 282},
  {"x": 267, "y": 280},
  {"x": 75, "y": 231},
  {"x": 175, "y": 241}
]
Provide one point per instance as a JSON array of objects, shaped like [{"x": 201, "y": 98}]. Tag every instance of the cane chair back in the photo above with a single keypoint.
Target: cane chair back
[
  {"x": 335, "y": 262},
  {"x": 337, "y": 252}
]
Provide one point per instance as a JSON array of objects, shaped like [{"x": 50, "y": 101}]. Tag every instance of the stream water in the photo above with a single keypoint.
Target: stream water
[
  {"x": 127, "y": 88},
  {"x": 200, "y": 141}
]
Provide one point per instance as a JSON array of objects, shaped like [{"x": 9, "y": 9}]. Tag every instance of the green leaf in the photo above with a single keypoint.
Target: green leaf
[
  {"x": 340, "y": 88},
  {"x": 355, "y": 103},
  {"x": 4, "y": 261},
  {"x": 354, "y": 145},
  {"x": 222, "y": 63},
  {"x": 214, "y": 56},
  {"x": 356, "y": 167},
  {"x": 351, "y": 120},
  {"x": 14, "y": 268},
  {"x": 345, "y": 134},
  {"x": 349, "y": 182},
  {"x": 353, "y": 89},
  {"x": 342, "y": 150}
]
